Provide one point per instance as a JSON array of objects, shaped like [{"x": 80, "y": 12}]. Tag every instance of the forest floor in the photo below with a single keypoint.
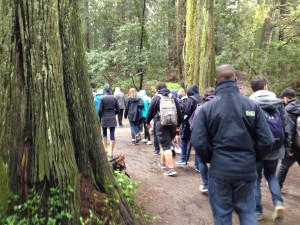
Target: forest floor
[{"x": 177, "y": 200}]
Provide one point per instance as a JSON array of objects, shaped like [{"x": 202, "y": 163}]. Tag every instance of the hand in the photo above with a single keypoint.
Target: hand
[
  {"x": 148, "y": 125},
  {"x": 177, "y": 128},
  {"x": 291, "y": 153}
]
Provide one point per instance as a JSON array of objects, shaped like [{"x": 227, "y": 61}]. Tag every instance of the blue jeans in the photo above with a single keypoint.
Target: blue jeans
[
  {"x": 185, "y": 138},
  {"x": 226, "y": 196},
  {"x": 269, "y": 167},
  {"x": 135, "y": 128},
  {"x": 202, "y": 167}
]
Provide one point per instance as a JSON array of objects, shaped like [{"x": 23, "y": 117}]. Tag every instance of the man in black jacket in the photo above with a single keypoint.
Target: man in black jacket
[
  {"x": 165, "y": 133},
  {"x": 293, "y": 109},
  {"x": 188, "y": 108},
  {"x": 233, "y": 132}
]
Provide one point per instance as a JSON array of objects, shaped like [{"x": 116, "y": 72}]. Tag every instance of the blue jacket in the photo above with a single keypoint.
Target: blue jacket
[
  {"x": 146, "y": 99},
  {"x": 233, "y": 131},
  {"x": 97, "y": 101}
]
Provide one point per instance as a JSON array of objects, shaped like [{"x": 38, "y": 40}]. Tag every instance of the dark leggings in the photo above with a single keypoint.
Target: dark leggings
[
  {"x": 120, "y": 116},
  {"x": 146, "y": 129},
  {"x": 111, "y": 133}
]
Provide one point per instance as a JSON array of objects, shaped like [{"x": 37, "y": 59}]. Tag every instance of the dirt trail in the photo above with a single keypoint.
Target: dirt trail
[{"x": 177, "y": 200}]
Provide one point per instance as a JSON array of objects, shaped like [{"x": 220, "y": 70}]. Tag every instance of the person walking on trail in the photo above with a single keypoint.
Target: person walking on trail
[
  {"x": 277, "y": 119},
  {"x": 231, "y": 133},
  {"x": 202, "y": 167},
  {"x": 146, "y": 99},
  {"x": 176, "y": 143},
  {"x": 108, "y": 108},
  {"x": 133, "y": 110},
  {"x": 165, "y": 133},
  {"x": 189, "y": 107},
  {"x": 119, "y": 95},
  {"x": 292, "y": 106},
  {"x": 97, "y": 98}
]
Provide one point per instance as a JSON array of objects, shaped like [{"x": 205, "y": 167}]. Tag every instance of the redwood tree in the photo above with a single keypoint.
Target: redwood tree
[
  {"x": 50, "y": 134},
  {"x": 199, "y": 48}
]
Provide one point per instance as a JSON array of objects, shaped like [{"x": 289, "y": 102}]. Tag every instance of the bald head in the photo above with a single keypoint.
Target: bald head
[{"x": 225, "y": 72}]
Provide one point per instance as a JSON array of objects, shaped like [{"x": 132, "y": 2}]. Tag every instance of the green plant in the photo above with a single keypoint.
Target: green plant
[
  {"x": 4, "y": 193},
  {"x": 128, "y": 186},
  {"x": 92, "y": 219},
  {"x": 32, "y": 211}
]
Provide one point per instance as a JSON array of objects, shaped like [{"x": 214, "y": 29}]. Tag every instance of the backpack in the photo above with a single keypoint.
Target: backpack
[
  {"x": 297, "y": 133},
  {"x": 167, "y": 110},
  {"x": 274, "y": 121}
]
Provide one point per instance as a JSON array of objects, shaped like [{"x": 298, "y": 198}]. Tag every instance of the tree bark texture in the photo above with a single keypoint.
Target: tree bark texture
[
  {"x": 50, "y": 134},
  {"x": 180, "y": 34},
  {"x": 199, "y": 53}
]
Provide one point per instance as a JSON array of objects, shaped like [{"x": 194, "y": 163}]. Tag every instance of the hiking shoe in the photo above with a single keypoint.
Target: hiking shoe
[
  {"x": 180, "y": 162},
  {"x": 149, "y": 143},
  {"x": 278, "y": 213},
  {"x": 259, "y": 216},
  {"x": 162, "y": 165},
  {"x": 203, "y": 188},
  {"x": 138, "y": 138},
  {"x": 170, "y": 172},
  {"x": 144, "y": 140}
]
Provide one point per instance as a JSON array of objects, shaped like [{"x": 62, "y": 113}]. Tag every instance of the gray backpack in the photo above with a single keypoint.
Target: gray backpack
[
  {"x": 297, "y": 133},
  {"x": 167, "y": 110}
]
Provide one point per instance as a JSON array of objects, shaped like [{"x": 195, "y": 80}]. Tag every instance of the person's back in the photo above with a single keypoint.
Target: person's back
[
  {"x": 277, "y": 120},
  {"x": 231, "y": 131},
  {"x": 293, "y": 109}
]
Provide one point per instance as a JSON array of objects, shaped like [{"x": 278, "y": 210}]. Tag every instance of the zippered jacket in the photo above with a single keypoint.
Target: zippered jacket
[{"x": 232, "y": 131}]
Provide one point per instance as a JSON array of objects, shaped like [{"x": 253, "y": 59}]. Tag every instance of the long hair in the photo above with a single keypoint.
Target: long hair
[{"x": 132, "y": 93}]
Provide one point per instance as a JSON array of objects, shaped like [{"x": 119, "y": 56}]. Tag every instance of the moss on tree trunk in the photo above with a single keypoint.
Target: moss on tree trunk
[{"x": 49, "y": 130}]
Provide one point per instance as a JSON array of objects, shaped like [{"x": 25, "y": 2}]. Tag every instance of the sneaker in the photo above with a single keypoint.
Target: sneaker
[
  {"x": 138, "y": 138},
  {"x": 259, "y": 216},
  {"x": 203, "y": 188},
  {"x": 197, "y": 170},
  {"x": 170, "y": 172},
  {"x": 178, "y": 150},
  {"x": 162, "y": 165},
  {"x": 144, "y": 140},
  {"x": 278, "y": 213},
  {"x": 180, "y": 162},
  {"x": 149, "y": 143}
]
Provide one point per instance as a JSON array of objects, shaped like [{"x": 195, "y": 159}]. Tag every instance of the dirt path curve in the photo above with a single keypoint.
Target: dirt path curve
[{"x": 177, "y": 200}]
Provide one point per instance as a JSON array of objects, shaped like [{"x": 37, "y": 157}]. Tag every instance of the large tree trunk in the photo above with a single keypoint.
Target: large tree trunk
[
  {"x": 180, "y": 33},
  {"x": 199, "y": 57},
  {"x": 50, "y": 130}
]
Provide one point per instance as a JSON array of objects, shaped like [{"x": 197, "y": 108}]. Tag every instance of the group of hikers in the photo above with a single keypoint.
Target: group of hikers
[{"x": 239, "y": 137}]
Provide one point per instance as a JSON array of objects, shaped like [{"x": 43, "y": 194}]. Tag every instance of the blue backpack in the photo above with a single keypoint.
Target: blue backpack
[{"x": 274, "y": 121}]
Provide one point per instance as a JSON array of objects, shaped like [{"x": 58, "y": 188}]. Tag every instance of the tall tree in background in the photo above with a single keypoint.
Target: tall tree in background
[
  {"x": 180, "y": 34},
  {"x": 49, "y": 134},
  {"x": 199, "y": 55}
]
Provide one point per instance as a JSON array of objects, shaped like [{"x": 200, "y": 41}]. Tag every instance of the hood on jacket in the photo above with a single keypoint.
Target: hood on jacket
[
  {"x": 142, "y": 93},
  {"x": 293, "y": 106},
  {"x": 174, "y": 92},
  {"x": 164, "y": 91},
  {"x": 266, "y": 99},
  {"x": 192, "y": 90},
  {"x": 117, "y": 91},
  {"x": 106, "y": 89}
]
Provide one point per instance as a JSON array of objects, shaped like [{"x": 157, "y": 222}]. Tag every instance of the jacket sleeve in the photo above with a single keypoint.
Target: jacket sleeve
[
  {"x": 179, "y": 113},
  {"x": 188, "y": 106},
  {"x": 117, "y": 109},
  {"x": 126, "y": 109},
  {"x": 100, "y": 108},
  {"x": 263, "y": 137},
  {"x": 151, "y": 110},
  {"x": 287, "y": 130},
  {"x": 200, "y": 138}
]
